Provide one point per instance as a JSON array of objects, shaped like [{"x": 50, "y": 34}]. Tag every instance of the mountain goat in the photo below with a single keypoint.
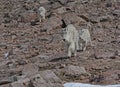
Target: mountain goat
[
  {"x": 84, "y": 34},
  {"x": 71, "y": 36},
  {"x": 41, "y": 13}
]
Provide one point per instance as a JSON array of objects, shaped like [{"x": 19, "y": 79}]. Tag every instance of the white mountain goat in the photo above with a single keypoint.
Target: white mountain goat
[
  {"x": 84, "y": 34},
  {"x": 71, "y": 36},
  {"x": 41, "y": 13}
]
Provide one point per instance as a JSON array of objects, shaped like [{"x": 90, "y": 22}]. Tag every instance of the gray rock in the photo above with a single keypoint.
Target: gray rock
[
  {"x": 118, "y": 27},
  {"x": 116, "y": 12},
  {"x": 5, "y": 85},
  {"x": 62, "y": 2},
  {"x": 94, "y": 19},
  {"x": 7, "y": 80},
  {"x": 22, "y": 83},
  {"x": 29, "y": 69},
  {"x": 118, "y": 52},
  {"x": 104, "y": 18},
  {"x": 109, "y": 4}
]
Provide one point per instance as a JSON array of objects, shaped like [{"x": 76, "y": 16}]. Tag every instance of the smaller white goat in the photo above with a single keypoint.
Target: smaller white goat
[
  {"x": 84, "y": 34},
  {"x": 41, "y": 12},
  {"x": 71, "y": 36}
]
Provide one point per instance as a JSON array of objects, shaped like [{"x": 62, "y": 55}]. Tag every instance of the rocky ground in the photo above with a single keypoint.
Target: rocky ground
[{"x": 33, "y": 54}]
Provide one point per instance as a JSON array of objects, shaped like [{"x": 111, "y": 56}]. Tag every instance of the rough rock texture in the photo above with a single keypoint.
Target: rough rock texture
[{"x": 33, "y": 54}]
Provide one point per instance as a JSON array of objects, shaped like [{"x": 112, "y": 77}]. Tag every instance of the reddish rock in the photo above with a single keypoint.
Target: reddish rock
[
  {"x": 74, "y": 70},
  {"x": 103, "y": 54},
  {"x": 29, "y": 16},
  {"x": 51, "y": 24},
  {"x": 44, "y": 2},
  {"x": 50, "y": 76},
  {"x": 73, "y": 18},
  {"x": 6, "y": 85}
]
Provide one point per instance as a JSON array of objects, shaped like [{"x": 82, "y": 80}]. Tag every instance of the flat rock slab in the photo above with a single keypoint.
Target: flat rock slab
[{"x": 74, "y": 70}]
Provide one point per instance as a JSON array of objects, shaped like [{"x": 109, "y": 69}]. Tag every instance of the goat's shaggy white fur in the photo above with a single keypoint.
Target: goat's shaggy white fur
[
  {"x": 41, "y": 12},
  {"x": 71, "y": 35},
  {"x": 84, "y": 34}
]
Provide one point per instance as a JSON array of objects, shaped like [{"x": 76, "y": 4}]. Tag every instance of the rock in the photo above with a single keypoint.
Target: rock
[
  {"x": 29, "y": 69},
  {"x": 61, "y": 10},
  {"x": 118, "y": 27},
  {"x": 6, "y": 85},
  {"x": 21, "y": 83},
  {"x": 57, "y": 38},
  {"x": 104, "y": 54},
  {"x": 45, "y": 78},
  {"x": 74, "y": 70},
  {"x": 85, "y": 16},
  {"x": 73, "y": 18},
  {"x": 21, "y": 62},
  {"x": 52, "y": 23},
  {"x": 116, "y": 12},
  {"x": 104, "y": 18},
  {"x": 63, "y": 2},
  {"x": 109, "y": 4},
  {"x": 55, "y": 5},
  {"x": 38, "y": 81},
  {"x": 29, "y": 16},
  {"x": 84, "y": 1},
  {"x": 43, "y": 2},
  {"x": 116, "y": 65},
  {"x": 47, "y": 39},
  {"x": 118, "y": 52},
  {"x": 20, "y": 77},
  {"x": 99, "y": 33},
  {"x": 4, "y": 63},
  {"x": 94, "y": 19},
  {"x": 7, "y": 80},
  {"x": 50, "y": 76},
  {"x": 96, "y": 78},
  {"x": 42, "y": 58},
  {"x": 111, "y": 75}
]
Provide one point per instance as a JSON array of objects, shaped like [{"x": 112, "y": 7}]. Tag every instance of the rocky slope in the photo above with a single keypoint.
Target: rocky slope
[{"x": 33, "y": 54}]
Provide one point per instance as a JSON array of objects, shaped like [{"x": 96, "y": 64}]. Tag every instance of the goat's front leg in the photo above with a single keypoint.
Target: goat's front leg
[{"x": 69, "y": 51}]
